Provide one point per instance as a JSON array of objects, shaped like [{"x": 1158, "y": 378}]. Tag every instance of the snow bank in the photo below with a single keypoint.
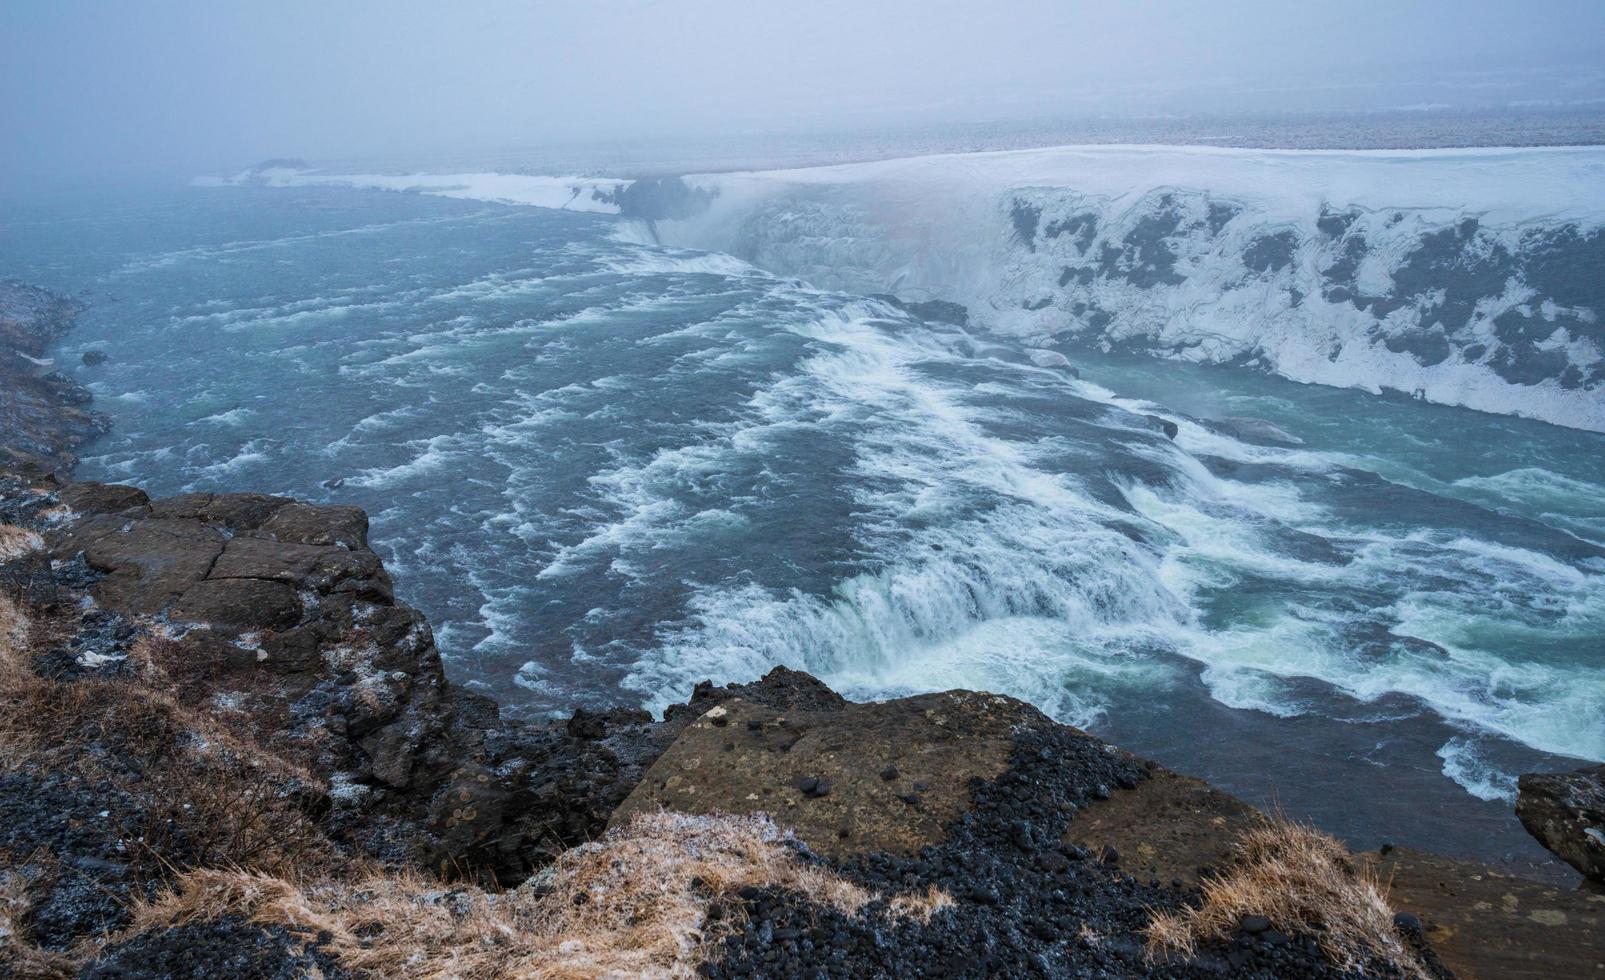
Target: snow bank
[{"x": 1469, "y": 277}]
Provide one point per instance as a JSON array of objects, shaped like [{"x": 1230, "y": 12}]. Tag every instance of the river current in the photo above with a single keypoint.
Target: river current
[{"x": 607, "y": 470}]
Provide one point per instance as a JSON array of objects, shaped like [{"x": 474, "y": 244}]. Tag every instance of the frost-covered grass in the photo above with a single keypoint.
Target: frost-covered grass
[
  {"x": 632, "y": 904},
  {"x": 17, "y": 541},
  {"x": 210, "y": 791}
]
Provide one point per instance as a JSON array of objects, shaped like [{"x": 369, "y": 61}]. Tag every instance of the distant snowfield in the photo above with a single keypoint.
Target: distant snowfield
[
  {"x": 559, "y": 193},
  {"x": 1470, "y": 277},
  {"x": 1519, "y": 183}
]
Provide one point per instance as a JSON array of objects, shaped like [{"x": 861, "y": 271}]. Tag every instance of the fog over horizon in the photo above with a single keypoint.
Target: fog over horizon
[{"x": 96, "y": 90}]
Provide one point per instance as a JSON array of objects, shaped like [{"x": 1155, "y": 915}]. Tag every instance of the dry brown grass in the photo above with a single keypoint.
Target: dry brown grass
[
  {"x": 211, "y": 794},
  {"x": 14, "y": 629},
  {"x": 1304, "y": 882},
  {"x": 633, "y": 904},
  {"x": 17, "y": 541},
  {"x": 18, "y": 958},
  {"x": 921, "y": 905}
]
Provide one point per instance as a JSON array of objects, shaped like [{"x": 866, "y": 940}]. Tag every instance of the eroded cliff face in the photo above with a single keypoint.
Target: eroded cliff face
[
  {"x": 44, "y": 413},
  {"x": 1365, "y": 270}
]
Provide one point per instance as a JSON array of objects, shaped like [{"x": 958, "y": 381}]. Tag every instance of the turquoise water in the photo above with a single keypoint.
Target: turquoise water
[{"x": 608, "y": 470}]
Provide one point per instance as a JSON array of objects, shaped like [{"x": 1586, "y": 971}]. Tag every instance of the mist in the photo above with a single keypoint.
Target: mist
[{"x": 178, "y": 88}]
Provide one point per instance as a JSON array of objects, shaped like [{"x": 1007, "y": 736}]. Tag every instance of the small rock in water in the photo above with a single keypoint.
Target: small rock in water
[
  {"x": 94, "y": 357},
  {"x": 1257, "y": 430},
  {"x": 1169, "y": 428},
  {"x": 1043, "y": 357}
]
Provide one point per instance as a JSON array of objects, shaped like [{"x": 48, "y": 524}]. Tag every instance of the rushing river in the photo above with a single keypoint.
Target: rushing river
[{"x": 607, "y": 470}]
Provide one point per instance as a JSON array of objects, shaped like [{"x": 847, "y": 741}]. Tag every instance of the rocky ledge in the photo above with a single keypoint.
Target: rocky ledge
[{"x": 275, "y": 616}]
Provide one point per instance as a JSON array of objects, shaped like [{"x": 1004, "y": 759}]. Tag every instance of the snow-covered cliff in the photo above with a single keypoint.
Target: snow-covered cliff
[{"x": 1468, "y": 277}]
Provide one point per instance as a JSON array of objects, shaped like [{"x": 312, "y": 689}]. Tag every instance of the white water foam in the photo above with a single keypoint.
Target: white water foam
[
  {"x": 1571, "y": 505},
  {"x": 1039, "y": 571},
  {"x": 1504, "y": 603},
  {"x": 232, "y": 417},
  {"x": 1464, "y": 763}
]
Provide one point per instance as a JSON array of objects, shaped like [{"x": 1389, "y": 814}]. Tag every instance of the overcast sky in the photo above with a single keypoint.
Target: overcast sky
[{"x": 211, "y": 85}]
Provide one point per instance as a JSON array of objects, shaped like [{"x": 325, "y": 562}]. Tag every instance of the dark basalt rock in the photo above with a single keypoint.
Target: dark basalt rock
[
  {"x": 1026, "y": 904},
  {"x": 101, "y": 498},
  {"x": 299, "y": 523},
  {"x": 654, "y": 199},
  {"x": 933, "y": 310},
  {"x": 67, "y": 838},
  {"x": 226, "y": 947},
  {"x": 239, "y": 604},
  {"x": 782, "y": 688},
  {"x": 234, "y": 513},
  {"x": 282, "y": 604},
  {"x": 1025, "y": 217},
  {"x": 98, "y": 648},
  {"x": 1566, "y": 812}
]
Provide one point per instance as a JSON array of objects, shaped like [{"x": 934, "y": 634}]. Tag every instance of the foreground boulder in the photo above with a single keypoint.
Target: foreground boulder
[
  {"x": 1566, "y": 812},
  {"x": 886, "y": 776},
  {"x": 977, "y": 805}
]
